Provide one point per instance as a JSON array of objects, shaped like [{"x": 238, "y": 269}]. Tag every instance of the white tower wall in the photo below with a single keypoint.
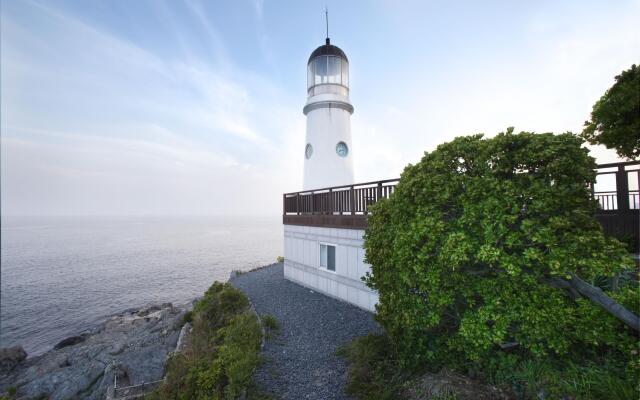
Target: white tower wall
[
  {"x": 326, "y": 127},
  {"x": 328, "y": 148}
]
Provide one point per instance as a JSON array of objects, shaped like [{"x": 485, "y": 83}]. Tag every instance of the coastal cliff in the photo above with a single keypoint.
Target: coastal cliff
[{"x": 130, "y": 348}]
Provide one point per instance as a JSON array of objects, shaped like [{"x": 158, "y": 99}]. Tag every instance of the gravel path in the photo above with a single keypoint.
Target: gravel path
[{"x": 300, "y": 362}]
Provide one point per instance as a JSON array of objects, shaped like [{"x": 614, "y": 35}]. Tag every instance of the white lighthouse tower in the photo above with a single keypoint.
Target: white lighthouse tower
[
  {"x": 328, "y": 151},
  {"x": 324, "y": 225}
]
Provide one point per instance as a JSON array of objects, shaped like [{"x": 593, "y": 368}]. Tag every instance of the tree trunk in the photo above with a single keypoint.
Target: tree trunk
[{"x": 598, "y": 297}]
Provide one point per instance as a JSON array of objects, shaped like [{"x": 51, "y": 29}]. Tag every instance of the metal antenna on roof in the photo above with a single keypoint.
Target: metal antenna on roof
[{"x": 326, "y": 18}]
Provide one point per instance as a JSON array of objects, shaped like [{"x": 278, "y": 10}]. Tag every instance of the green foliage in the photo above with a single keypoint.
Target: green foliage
[
  {"x": 188, "y": 317},
  {"x": 280, "y": 259},
  {"x": 528, "y": 378},
  {"x": 374, "y": 372},
  {"x": 463, "y": 251},
  {"x": 224, "y": 349},
  {"x": 615, "y": 118},
  {"x": 270, "y": 322},
  {"x": 10, "y": 394}
]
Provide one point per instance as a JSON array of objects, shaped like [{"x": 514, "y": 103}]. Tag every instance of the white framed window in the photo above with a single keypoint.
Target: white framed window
[{"x": 328, "y": 256}]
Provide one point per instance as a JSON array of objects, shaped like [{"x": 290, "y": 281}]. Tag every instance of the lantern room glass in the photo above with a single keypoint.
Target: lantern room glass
[{"x": 328, "y": 70}]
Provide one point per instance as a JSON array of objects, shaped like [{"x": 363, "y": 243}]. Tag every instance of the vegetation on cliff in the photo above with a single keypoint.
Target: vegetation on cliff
[{"x": 223, "y": 350}]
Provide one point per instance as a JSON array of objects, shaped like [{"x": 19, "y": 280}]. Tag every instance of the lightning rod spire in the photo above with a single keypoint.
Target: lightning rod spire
[{"x": 326, "y": 18}]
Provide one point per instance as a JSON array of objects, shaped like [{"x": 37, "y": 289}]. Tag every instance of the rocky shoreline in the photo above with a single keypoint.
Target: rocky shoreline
[{"x": 130, "y": 348}]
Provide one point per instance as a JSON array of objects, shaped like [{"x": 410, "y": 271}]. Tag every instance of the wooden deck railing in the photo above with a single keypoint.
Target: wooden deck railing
[
  {"x": 619, "y": 212},
  {"x": 347, "y": 206},
  {"x": 627, "y": 181},
  {"x": 338, "y": 200}
]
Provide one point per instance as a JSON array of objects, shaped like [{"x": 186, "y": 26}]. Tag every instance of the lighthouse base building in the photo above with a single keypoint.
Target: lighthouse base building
[{"x": 330, "y": 261}]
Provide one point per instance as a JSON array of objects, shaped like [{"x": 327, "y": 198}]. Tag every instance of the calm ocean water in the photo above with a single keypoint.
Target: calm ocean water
[{"x": 63, "y": 275}]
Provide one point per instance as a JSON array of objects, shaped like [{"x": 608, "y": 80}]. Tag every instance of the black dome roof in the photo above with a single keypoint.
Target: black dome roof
[{"x": 327, "y": 50}]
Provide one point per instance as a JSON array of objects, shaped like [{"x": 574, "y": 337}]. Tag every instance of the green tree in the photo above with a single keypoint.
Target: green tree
[
  {"x": 476, "y": 250},
  {"x": 615, "y": 118}
]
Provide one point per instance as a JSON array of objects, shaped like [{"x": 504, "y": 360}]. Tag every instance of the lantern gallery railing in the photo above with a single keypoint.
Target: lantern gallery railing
[{"x": 616, "y": 190}]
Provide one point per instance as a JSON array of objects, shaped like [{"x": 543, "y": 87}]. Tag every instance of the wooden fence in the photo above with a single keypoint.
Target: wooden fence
[{"x": 347, "y": 206}]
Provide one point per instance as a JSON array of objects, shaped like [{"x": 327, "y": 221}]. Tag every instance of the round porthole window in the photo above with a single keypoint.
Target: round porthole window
[
  {"x": 342, "y": 149},
  {"x": 308, "y": 151}
]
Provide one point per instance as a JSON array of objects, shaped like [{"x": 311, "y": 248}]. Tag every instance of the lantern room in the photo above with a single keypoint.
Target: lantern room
[{"x": 328, "y": 71}]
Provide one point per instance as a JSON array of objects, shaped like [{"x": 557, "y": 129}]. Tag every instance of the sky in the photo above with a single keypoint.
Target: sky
[{"x": 195, "y": 107}]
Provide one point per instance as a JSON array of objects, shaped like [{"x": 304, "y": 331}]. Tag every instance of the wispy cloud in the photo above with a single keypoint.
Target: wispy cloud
[
  {"x": 259, "y": 7},
  {"x": 87, "y": 109},
  {"x": 189, "y": 108}
]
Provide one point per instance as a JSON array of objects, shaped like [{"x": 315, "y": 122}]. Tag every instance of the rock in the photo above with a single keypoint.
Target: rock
[
  {"x": 64, "y": 362},
  {"x": 117, "y": 348},
  {"x": 10, "y": 357},
  {"x": 70, "y": 341},
  {"x": 184, "y": 338},
  {"x": 86, "y": 371},
  {"x": 142, "y": 313}
]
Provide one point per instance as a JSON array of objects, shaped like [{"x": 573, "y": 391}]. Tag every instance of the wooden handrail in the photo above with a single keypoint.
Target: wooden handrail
[
  {"x": 619, "y": 164},
  {"x": 383, "y": 181},
  {"x": 341, "y": 187}
]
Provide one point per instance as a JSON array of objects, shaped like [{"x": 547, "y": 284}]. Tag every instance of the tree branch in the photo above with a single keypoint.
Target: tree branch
[{"x": 600, "y": 298}]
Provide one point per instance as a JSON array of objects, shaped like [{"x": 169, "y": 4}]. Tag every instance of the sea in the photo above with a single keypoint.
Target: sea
[{"x": 61, "y": 276}]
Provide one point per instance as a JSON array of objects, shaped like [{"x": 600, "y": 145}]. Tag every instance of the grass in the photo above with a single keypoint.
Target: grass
[
  {"x": 223, "y": 352},
  {"x": 271, "y": 326},
  {"x": 445, "y": 396},
  {"x": 375, "y": 373},
  {"x": 10, "y": 394},
  {"x": 530, "y": 378},
  {"x": 270, "y": 322},
  {"x": 188, "y": 317}
]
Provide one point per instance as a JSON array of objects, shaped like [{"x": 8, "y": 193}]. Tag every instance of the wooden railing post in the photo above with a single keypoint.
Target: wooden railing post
[
  {"x": 379, "y": 192},
  {"x": 622, "y": 189},
  {"x": 284, "y": 204},
  {"x": 313, "y": 211},
  {"x": 330, "y": 201},
  {"x": 353, "y": 200},
  {"x": 298, "y": 203}
]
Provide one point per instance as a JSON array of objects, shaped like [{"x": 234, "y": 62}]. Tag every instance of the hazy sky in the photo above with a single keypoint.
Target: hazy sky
[{"x": 171, "y": 107}]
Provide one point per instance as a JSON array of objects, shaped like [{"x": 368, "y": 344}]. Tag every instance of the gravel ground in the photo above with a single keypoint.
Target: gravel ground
[{"x": 300, "y": 361}]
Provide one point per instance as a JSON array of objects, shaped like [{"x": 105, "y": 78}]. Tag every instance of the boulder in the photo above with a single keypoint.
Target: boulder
[
  {"x": 10, "y": 357},
  {"x": 70, "y": 341}
]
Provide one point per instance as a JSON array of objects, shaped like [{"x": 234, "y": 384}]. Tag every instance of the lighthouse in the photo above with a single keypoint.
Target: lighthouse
[
  {"x": 324, "y": 223},
  {"x": 328, "y": 152}
]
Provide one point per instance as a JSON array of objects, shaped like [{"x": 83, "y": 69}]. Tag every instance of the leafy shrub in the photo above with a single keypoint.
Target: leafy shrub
[
  {"x": 373, "y": 368},
  {"x": 464, "y": 251},
  {"x": 10, "y": 394},
  {"x": 280, "y": 259},
  {"x": 270, "y": 322},
  {"x": 188, "y": 317},
  {"x": 223, "y": 353}
]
